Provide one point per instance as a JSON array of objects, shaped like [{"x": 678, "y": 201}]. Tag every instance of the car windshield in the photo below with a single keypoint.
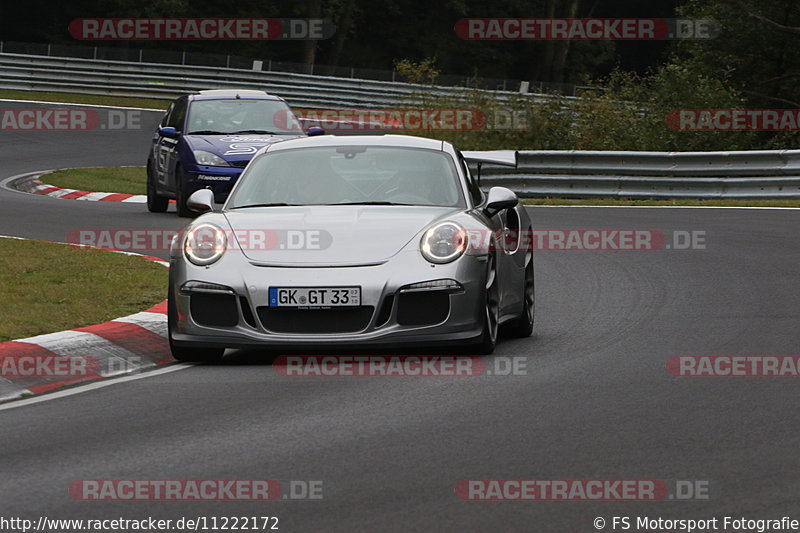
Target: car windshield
[
  {"x": 343, "y": 175},
  {"x": 229, "y": 116}
]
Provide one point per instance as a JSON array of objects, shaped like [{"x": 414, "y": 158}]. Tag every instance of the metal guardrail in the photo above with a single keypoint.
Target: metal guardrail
[
  {"x": 745, "y": 174},
  {"x": 768, "y": 173},
  {"x": 157, "y": 80}
]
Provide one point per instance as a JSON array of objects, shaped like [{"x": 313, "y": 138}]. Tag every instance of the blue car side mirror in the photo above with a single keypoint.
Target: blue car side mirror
[
  {"x": 167, "y": 131},
  {"x": 315, "y": 130}
]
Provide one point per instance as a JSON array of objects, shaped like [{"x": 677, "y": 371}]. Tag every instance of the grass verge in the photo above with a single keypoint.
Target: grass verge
[
  {"x": 115, "y": 101},
  {"x": 47, "y": 287},
  {"x": 128, "y": 180}
]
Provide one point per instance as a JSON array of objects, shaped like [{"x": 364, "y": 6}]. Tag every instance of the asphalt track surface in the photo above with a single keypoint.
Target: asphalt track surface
[{"x": 596, "y": 402}]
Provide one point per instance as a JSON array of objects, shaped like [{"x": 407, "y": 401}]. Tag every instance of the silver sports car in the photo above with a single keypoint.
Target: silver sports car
[{"x": 361, "y": 241}]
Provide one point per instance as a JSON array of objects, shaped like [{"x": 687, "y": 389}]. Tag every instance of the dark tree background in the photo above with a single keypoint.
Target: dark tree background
[{"x": 756, "y": 52}]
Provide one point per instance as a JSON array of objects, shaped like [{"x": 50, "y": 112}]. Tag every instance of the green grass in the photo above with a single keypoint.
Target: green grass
[
  {"x": 47, "y": 287},
  {"x": 755, "y": 202},
  {"x": 115, "y": 101},
  {"x": 128, "y": 180}
]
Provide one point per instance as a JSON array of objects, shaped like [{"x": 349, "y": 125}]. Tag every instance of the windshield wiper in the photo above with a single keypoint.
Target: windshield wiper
[
  {"x": 275, "y": 204},
  {"x": 207, "y": 132}
]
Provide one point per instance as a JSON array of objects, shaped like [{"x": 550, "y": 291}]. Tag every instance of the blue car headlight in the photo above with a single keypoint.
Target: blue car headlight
[{"x": 208, "y": 159}]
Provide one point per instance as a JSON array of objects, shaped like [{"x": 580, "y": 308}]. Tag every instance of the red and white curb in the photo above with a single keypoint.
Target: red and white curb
[
  {"x": 121, "y": 346},
  {"x": 31, "y": 183}
]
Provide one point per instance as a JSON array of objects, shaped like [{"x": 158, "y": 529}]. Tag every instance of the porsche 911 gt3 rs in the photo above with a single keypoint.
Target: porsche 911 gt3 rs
[{"x": 381, "y": 240}]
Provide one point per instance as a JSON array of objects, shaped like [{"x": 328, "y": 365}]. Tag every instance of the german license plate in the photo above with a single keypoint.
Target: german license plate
[{"x": 314, "y": 297}]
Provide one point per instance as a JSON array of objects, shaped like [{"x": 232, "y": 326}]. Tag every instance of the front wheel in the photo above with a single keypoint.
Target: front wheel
[
  {"x": 523, "y": 326},
  {"x": 155, "y": 203},
  {"x": 180, "y": 195},
  {"x": 491, "y": 313}
]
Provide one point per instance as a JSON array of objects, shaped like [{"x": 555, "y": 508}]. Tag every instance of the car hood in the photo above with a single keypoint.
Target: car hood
[
  {"x": 329, "y": 235},
  {"x": 234, "y": 147}
]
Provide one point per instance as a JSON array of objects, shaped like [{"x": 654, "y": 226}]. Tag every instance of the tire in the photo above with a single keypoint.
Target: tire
[
  {"x": 491, "y": 306},
  {"x": 155, "y": 203},
  {"x": 186, "y": 353},
  {"x": 523, "y": 326},
  {"x": 181, "y": 196}
]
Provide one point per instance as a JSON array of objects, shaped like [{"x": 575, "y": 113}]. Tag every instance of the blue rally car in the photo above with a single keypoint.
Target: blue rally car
[{"x": 206, "y": 139}]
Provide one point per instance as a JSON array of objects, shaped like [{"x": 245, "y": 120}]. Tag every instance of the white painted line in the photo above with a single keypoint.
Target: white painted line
[
  {"x": 61, "y": 192},
  {"x": 136, "y": 199},
  {"x": 93, "y": 386},
  {"x": 5, "y": 181},
  {"x": 143, "y": 316},
  {"x": 153, "y": 322},
  {"x": 83, "y": 343},
  {"x": 17, "y": 391},
  {"x": 93, "y": 196},
  {"x": 83, "y": 105}
]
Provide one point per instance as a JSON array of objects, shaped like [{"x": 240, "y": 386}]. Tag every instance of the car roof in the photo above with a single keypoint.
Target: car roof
[
  {"x": 225, "y": 94},
  {"x": 391, "y": 140}
]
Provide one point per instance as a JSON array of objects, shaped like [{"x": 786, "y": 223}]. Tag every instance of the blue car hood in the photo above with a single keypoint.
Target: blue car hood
[{"x": 234, "y": 147}]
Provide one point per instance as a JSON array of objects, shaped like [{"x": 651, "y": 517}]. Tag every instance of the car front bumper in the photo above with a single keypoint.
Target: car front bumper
[
  {"x": 219, "y": 179},
  {"x": 236, "y": 313}
]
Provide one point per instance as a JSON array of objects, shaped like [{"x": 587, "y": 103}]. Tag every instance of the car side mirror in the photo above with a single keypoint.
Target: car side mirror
[
  {"x": 168, "y": 131},
  {"x": 499, "y": 199},
  {"x": 315, "y": 130},
  {"x": 201, "y": 201}
]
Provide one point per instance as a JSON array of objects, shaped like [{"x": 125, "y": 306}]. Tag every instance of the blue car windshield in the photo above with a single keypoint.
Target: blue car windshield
[
  {"x": 350, "y": 175},
  {"x": 227, "y": 116}
]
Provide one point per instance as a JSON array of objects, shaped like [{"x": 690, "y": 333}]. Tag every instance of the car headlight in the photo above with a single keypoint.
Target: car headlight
[
  {"x": 205, "y": 244},
  {"x": 443, "y": 242},
  {"x": 208, "y": 159}
]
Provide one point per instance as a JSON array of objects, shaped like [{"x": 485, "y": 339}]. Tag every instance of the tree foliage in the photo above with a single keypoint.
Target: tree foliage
[{"x": 633, "y": 84}]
